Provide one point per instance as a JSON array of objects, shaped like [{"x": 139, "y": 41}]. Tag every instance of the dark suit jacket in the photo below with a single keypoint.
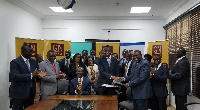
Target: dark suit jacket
[
  {"x": 20, "y": 78},
  {"x": 72, "y": 71},
  {"x": 106, "y": 72},
  {"x": 159, "y": 80},
  {"x": 96, "y": 60},
  {"x": 180, "y": 77},
  {"x": 124, "y": 67},
  {"x": 62, "y": 65},
  {"x": 140, "y": 80},
  {"x": 86, "y": 87}
]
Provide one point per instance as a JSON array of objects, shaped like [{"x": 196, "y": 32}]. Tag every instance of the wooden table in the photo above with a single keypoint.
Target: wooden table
[{"x": 104, "y": 102}]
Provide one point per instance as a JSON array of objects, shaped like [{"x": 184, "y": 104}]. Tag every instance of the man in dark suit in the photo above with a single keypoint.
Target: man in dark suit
[
  {"x": 108, "y": 69},
  {"x": 80, "y": 85},
  {"x": 65, "y": 62},
  {"x": 180, "y": 79},
  {"x": 123, "y": 60},
  {"x": 93, "y": 54},
  {"x": 158, "y": 81},
  {"x": 22, "y": 77},
  {"x": 139, "y": 81}
]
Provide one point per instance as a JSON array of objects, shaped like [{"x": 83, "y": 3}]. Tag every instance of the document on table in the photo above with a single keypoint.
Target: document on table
[{"x": 107, "y": 85}]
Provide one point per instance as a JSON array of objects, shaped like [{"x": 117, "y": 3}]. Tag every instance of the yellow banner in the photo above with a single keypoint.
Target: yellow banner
[
  {"x": 59, "y": 46},
  {"x": 37, "y": 46},
  {"x": 160, "y": 48},
  {"x": 114, "y": 47}
]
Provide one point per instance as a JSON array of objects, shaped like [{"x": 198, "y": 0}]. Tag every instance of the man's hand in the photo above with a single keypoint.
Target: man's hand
[
  {"x": 35, "y": 73},
  {"x": 60, "y": 75},
  {"x": 170, "y": 72},
  {"x": 126, "y": 85},
  {"x": 41, "y": 73},
  {"x": 92, "y": 81},
  {"x": 78, "y": 90},
  {"x": 152, "y": 71},
  {"x": 119, "y": 79}
]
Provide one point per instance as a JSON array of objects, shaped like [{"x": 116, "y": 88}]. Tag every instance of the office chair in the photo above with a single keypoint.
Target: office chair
[{"x": 129, "y": 103}]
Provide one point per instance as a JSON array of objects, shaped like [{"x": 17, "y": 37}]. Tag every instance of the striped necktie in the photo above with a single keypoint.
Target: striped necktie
[{"x": 28, "y": 64}]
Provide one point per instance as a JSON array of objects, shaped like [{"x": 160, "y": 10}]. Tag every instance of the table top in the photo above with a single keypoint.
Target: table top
[{"x": 107, "y": 102}]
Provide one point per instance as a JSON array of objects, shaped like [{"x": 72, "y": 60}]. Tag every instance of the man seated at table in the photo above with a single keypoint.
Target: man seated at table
[{"x": 80, "y": 85}]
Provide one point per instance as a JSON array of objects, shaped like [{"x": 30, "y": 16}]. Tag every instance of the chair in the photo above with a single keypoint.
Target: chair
[
  {"x": 129, "y": 103},
  {"x": 63, "y": 85},
  {"x": 190, "y": 103}
]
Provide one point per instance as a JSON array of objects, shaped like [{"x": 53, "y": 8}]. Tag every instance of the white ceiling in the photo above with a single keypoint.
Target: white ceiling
[{"x": 106, "y": 9}]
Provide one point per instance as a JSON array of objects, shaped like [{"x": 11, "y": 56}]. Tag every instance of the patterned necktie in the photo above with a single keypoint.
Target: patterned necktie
[
  {"x": 28, "y": 65},
  {"x": 79, "y": 84},
  {"x": 92, "y": 72},
  {"x": 126, "y": 69},
  {"x": 67, "y": 62},
  {"x": 92, "y": 103},
  {"x": 53, "y": 67},
  {"x": 108, "y": 59}
]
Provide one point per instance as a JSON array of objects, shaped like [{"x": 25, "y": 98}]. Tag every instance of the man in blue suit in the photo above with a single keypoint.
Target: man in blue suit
[
  {"x": 80, "y": 85},
  {"x": 139, "y": 81},
  {"x": 108, "y": 69},
  {"x": 158, "y": 81},
  {"x": 22, "y": 77}
]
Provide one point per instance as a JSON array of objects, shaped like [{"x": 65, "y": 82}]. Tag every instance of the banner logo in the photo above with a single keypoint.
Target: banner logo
[
  {"x": 157, "y": 50},
  {"x": 34, "y": 47},
  {"x": 58, "y": 48}
]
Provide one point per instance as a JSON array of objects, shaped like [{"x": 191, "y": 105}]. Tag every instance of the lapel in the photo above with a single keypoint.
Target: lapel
[
  {"x": 31, "y": 65},
  {"x": 23, "y": 63},
  {"x": 83, "y": 83},
  {"x": 106, "y": 62},
  {"x": 112, "y": 62},
  {"x": 159, "y": 70},
  {"x": 49, "y": 64},
  {"x": 56, "y": 67},
  {"x": 76, "y": 82}
]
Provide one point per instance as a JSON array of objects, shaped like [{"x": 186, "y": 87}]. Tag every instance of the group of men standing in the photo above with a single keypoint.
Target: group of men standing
[{"x": 148, "y": 83}]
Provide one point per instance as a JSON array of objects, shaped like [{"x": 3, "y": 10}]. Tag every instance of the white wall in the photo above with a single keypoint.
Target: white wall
[
  {"x": 79, "y": 30},
  {"x": 180, "y": 11},
  {"x": 14, "y": 22}
]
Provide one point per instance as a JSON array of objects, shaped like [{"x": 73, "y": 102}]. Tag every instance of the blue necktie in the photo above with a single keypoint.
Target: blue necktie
[
  {"x": 28, "y": 65},
  {"x": 108, "y": 59}
]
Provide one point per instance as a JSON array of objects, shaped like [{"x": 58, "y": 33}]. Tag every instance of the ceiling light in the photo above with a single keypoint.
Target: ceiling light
[
  {"x": 60, "y": 9},
  {"x": 140, "y": 9}
]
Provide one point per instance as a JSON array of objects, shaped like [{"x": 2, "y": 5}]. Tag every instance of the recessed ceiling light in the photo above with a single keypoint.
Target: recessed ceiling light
[
  {"x": 60, "y": 9},
  {"x": 140, "y": 9}
]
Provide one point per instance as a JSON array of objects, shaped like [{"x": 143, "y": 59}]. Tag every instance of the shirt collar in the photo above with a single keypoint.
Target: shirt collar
[
  {"x": 109, "y": 57},
  {"x": 159, "y": 66},
  {"x": 179, "y": 59},
  {"x": 50, "y": 62},
  {"x": 80, "y": 78},
  {"x": 24, "y": 58}
]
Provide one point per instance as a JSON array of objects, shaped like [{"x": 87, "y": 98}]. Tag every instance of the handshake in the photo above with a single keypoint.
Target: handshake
[{"x": 119, "y": 79}]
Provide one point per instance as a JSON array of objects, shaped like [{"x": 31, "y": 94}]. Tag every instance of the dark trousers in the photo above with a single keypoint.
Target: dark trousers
[
  {"x": 21, "y": 104},
  {"x": 158, "y": 103},
  {"x": 180, "y": 101},
  {"x": 106, "y": 91},
  {"x": 122, "y": 96},
  {"x": 140, "y": 104}
]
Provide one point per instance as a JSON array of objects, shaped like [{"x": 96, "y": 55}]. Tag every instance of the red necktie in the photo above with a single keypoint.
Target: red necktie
[{"x": 53, "y": 67}]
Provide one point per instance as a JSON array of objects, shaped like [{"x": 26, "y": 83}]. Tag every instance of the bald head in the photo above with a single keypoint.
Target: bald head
[{"x": 180, "y": 52}]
